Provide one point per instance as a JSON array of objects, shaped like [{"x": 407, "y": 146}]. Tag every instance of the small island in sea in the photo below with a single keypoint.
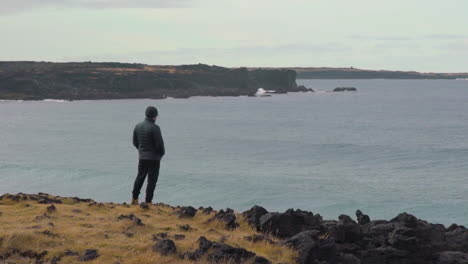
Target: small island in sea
[{"x": 41, "y": 228}]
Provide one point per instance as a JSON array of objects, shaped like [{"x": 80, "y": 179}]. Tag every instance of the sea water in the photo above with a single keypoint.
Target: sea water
[{"x": 393, "y": 146}]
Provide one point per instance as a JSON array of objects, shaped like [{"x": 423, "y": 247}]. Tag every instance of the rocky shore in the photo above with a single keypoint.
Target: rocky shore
[
  {"x": 50, "y": 229},
  {"x": 88, "y": 80}
]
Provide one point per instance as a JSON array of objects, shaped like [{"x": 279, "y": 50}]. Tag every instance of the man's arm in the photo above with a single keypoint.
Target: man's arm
[
  {"x": 158, "y": 141},
  {"x": 135, "y": 138}
]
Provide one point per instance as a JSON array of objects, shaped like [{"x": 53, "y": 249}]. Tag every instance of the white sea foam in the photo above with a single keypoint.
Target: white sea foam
[
  {"x": 54, "y": 100},
  {"x": 262, "y": 91}
]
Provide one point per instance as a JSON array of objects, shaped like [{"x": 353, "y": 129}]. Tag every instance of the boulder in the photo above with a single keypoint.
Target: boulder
[
  {"x": 451, "y": 257},
  {"x": 457, "y": 239},
  {"x": 362, "y": 218},
  {"x": 311, "y": 248},
  {"x": 228, "y": 217},
  {"x": 207, "y": 211},
  {"x": 345, "y": 89},
  {"x": 347, "y": 230},
  {"x": 132, "y": 218},
  {"x": 289, "y": 223},
  {"x": 90, "y": 254},
  {"x": 186, "y": 212},
  {"x": 252, "y": 216},
  {"x": 51, "y": 209},
  {"x": 165, "y": 247},
  {"x": 385, "y": 255},
  {"x": 221, "y": 252},
  {"x": 406, "y": 220}
]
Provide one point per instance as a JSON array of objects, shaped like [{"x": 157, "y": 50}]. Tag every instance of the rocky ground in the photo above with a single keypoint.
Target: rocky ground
[{"x": 48, "y": 229}]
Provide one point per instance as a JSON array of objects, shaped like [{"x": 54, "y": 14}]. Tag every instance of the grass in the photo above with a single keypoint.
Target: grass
[{"x": 78, "y": 226}]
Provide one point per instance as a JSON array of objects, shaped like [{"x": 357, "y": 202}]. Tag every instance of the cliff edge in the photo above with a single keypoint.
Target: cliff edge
[{"x": 87, "y": 80}]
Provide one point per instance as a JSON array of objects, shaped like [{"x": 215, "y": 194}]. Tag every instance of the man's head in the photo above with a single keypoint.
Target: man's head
[{"x": 151, "y": 112}]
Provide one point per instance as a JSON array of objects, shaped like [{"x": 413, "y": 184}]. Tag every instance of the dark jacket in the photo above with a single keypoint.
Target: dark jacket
[{"x": 148, "y": 140}]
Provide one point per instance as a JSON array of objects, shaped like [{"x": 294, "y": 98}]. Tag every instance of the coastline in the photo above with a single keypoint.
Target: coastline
[{"x": 52, "y": 229}]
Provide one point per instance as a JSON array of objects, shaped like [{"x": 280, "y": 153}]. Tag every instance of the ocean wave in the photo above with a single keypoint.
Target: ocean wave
[{"x": 55, "y": 100}]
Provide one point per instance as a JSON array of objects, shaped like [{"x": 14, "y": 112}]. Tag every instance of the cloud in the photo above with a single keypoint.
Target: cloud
[
  {"x": 236, "y": 56},
  {"x": 445, "y": 36},
  {"x": 382, "y": 38},
  {"x": 14, "y": 6}
]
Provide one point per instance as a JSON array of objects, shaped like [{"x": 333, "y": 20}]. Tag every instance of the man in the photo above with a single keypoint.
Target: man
[{"x": 148, "y": 140}]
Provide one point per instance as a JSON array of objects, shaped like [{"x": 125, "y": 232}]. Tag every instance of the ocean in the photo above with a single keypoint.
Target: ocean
[{"x": 393, "y": 146}]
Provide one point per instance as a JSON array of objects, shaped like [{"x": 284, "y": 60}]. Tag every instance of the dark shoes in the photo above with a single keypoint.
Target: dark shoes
[{"x": 134, "y": 202}]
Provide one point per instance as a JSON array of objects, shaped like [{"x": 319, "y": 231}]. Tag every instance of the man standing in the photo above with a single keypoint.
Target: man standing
[{"x": 148, "y": 140}]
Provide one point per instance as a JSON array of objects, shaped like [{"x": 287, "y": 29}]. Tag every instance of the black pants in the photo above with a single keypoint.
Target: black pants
[{"x": 150, "y": 168}]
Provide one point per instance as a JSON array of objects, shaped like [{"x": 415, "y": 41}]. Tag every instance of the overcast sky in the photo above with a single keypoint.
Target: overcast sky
[{"x": 422, "y": 35}]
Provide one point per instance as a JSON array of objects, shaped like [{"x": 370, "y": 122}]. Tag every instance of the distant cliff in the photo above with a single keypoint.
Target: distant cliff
[
  {"x": 87, "y": 80},
  {"x": 353, "y": 73}
]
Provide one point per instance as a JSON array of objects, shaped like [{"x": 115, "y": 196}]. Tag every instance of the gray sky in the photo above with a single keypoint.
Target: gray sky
[{"x": 422, "y": 35}]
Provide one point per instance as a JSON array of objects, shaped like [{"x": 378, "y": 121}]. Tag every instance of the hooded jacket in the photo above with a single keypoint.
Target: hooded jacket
[{"x": 148, "y": 140}]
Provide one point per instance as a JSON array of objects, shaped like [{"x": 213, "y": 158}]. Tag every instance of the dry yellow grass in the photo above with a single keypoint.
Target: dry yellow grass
[{"x": 78, "y": 226}]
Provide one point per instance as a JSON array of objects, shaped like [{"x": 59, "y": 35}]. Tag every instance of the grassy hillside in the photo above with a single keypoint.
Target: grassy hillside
[{"x": 31, "y": 225}]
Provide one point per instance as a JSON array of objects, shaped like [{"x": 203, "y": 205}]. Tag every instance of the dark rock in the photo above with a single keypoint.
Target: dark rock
[
  {"x": 260, "y": 260},
  {"x": 79, "y": 200},
  {"x": 304, "y": 237},
  {"x": 406, "y": 220},
  {"x": 69, "y": 253},
  {"x": 451, "y": 257},
  {"x": 362, "y": 218},
  {"x": 51, "y": 209},
  {"x": 302, "y": 88},
  {"x": 347, "y": 230},
  {"x": 186, "y": 212},
  {"x": 385, "y": 255},
  {"x": 203, "y": 246},
  {"x": 49, "y": 233},
  {"x": 345, "y": 89},
  {"x": 33, "y": 255},
  {"x": 77, "y": 211},
  {"x": 45, "y": 199},
  {"x": 132, "y": 218},
  {"x": 252, "y": 216},
  {"x": 348, "y": 259},
  {"x": 56, "y": 259},
  {"x": 90, "y": 254},
  {"x": 457, "y": 239},
  {"x": 179, "y": 236},
  {"x": 221, "y": 252},
  {"x": 258, "y": 238},
  {"x": 378, "y": 232},
  {"x": 312, "y": 248},
  {"x": 207, "y": 211},
  {"x": 185, "y": 227},
  {"x": 228, "y": 217},
  {"x": 159, "y": 236},
  {"x": 165, "y": 247},
  {"x": 289, "y": 223},
  {"x": 454, "y": 227}
]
